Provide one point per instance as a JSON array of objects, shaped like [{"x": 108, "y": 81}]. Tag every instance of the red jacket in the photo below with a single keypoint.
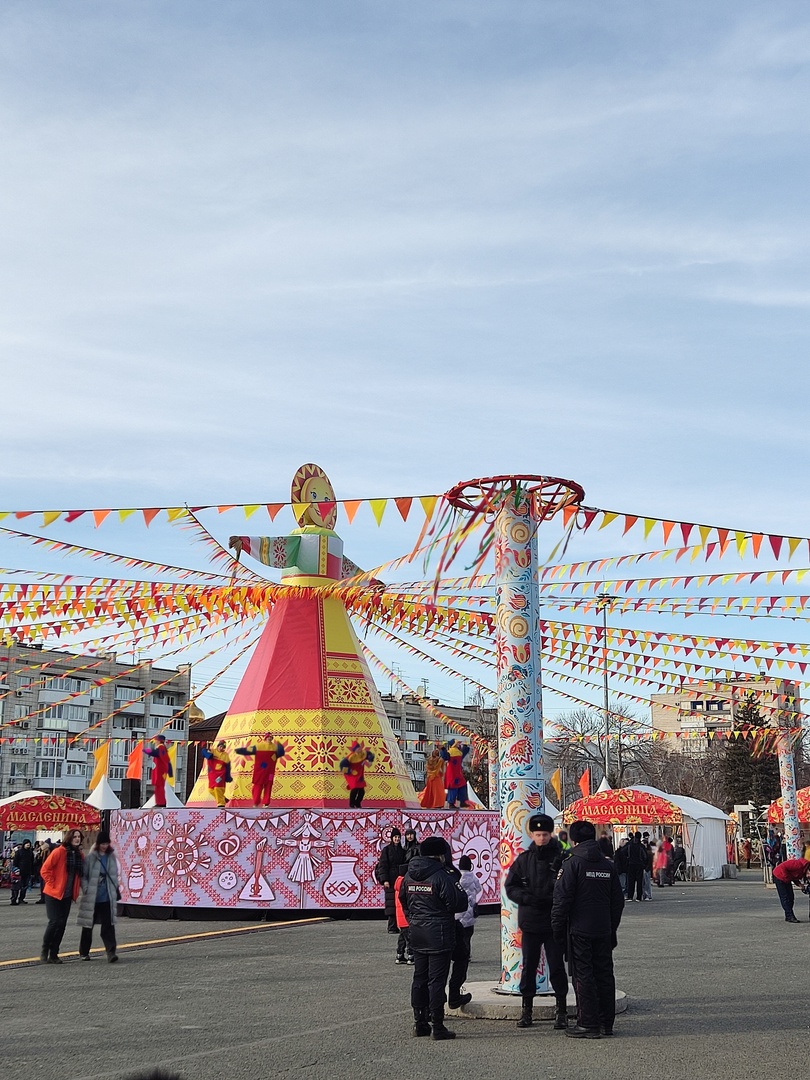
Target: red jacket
[
  {"x": 54, "y": 875},
  {"x": 791, "y": 870},
  {"x": 402, "y": 920}
]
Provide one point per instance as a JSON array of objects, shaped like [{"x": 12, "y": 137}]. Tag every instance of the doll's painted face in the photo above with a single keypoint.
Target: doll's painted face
[{"x": 312, "y": 486}]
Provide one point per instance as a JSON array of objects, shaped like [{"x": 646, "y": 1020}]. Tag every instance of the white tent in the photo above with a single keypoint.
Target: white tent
[
  {"x": 172, "y": 799},
  {"x": 31, "y": 793},
  {"x": 604, "y": 786},
  {"x": 103, "y": 797},
  {"x": 704, "y": 832}
]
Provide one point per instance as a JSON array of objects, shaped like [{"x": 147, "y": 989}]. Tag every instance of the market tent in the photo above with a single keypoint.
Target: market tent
[
  {"x": 776, "y": 811},
  {"x": 52, "y": 812},
  {"x": 31, "y": 793},
  {"x": 103, "y": 797},
  {"x": 624, "y": 806},
  {"x": 704, "y": 832}
]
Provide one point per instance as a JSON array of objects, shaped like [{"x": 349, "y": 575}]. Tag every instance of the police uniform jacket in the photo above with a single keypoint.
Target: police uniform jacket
[
  {"x": 430, "y": 899},
  {"x": 530, "y": 884},
  {"x": 588, "y": 898}
]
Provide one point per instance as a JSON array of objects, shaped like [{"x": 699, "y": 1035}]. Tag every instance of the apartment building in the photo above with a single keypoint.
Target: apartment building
[
  {"x": 47, "y": 697},
  {"x": 700, "y": 709}
]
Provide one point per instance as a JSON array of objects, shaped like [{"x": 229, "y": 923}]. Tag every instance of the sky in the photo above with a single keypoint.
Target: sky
[{"x": 415, "y": 243}]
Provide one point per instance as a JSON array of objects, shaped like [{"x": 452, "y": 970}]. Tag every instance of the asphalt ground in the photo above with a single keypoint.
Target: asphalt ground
[{"x": 717, "y": 985}]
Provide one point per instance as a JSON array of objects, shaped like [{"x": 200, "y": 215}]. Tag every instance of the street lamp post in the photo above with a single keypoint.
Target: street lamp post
[{"x": 604, "y": 600}]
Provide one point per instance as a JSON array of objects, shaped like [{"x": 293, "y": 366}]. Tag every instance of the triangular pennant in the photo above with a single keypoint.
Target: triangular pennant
[
  {"x": 378, "y": 508},
  {"x": 99, "y": 516},
  {"x": 49, "y": 516},
  {"x": 251, "y": 510},
  {"x": 272, "y": 509},
  {"x": 428, "y": 505},
  {"x": 404, "y": 507},
  {"x": 350, "y": 507},
  {"x": 150, "y": 515}
]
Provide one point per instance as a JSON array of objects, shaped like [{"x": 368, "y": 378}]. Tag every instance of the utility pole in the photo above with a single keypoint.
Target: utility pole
[{"x": 604, "y": 600}]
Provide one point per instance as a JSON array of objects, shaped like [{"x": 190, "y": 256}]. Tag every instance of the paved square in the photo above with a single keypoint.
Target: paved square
[{"x": 717, "y": 983}]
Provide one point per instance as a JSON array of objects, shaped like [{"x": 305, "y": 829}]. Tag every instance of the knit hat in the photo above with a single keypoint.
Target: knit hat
[
  {"x": 541, "y": 823},
  {"x": 432, "y": 846},
  {"x": 102, "y": 838}
]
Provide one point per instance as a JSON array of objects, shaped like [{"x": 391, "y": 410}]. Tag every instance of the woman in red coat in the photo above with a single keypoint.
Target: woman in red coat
[{"x": 61, "y": 882}]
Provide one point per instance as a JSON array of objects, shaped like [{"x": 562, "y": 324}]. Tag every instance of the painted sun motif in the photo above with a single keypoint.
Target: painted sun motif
[
  {"x": 179, "y": 858},
  {"x": 474, "y": 841}
]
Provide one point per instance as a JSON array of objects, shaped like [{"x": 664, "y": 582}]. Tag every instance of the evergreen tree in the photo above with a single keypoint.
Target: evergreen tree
[{"x": 746, "y": 778}]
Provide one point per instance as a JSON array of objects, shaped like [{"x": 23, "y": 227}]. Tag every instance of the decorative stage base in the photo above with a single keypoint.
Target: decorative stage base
[
  {"x": 489, "y": 1004},
  {"x": 282, "y": 859}
]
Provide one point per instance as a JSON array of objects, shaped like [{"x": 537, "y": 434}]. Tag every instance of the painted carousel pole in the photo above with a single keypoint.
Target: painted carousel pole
[
  {"x": 787, "y": 780},
  {"x": 519, "y": 504},
  {"x": 521, "y": 785}
]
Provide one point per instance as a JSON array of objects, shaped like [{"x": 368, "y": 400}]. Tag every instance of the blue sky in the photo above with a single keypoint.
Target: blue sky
[{"x": 412, "y": 242}]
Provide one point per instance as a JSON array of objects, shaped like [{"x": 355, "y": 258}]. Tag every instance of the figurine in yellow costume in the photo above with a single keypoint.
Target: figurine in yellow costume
[
  {"x": 218, "y": 762},
  {"x": 308, "y": 680}
]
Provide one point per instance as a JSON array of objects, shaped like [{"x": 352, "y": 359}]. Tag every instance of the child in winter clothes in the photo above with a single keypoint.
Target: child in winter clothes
[
  {"x": 404, "y": 954},
  {"x": 465, "y": 928}
]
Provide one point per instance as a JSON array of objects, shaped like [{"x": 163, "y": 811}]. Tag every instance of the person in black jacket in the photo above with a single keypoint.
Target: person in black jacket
[
  {"x": 392, "y": 858},
  {"x": 411, "y": 845},
  {"x": 24, "y": 862},
  {"x": 620, "y": 862},
  {"x": 587, "y": 910},
  {"x": 431, "y": 898},
  {"x": 530, "y": 885},
  {"x": 637, "y": 861}
]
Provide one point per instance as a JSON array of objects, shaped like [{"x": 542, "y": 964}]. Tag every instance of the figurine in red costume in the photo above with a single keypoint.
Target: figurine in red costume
[
  {"x": 353, "y": 767},
  {"x": 219, "y": 770},
  {"x": 455, "y": 781},
  {"x": 161, "y": 767},
  {"x": 266, "y": 754}
]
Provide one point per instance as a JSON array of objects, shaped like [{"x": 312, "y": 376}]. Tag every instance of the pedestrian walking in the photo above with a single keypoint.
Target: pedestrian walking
[
  {"x": 746, "y": 852},
  {"x": 465, "y": 928},
  {"x": 430, "y": 900},
  {"x": 637, "y": 856},
  {"x": 530, "y": 884},
  {"x": 392, "y": 858},
  {"x": 62, "y": 880},
  {"x": 411, "y": 845},
  {"x": 100, "y": 896},
  {"x": 620, "y": 862},
  {"x": 786, "y": 874},
  {"x": 585, "y": 916},
  {"x": 23, "y": 862},
  {"x": 404, "y": 953},
  {"x": 646, "y": 880}
]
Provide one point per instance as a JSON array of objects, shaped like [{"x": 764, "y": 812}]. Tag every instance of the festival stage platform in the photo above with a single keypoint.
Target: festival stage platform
[{"x": 281, "y": 859}]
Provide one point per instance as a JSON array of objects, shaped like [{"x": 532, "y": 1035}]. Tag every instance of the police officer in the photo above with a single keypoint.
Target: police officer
[
  {"x": 587, "y": 910},
  {"x": 430, "y": 899},
  {"x": 530, "y": 884}
]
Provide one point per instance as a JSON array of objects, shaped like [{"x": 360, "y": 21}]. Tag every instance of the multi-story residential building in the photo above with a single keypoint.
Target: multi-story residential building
[
  {"x": 48, "y": 697},
  {"x": 704, "y": 708}
]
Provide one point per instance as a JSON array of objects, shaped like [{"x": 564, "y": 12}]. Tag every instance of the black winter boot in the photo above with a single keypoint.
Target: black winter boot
[
  {"x": 459, "y": 1000},
  {"x": 421, "y": 1026},
  {"x": 561, "y": 1018},
  {"x": 525, "y": 1020},
  {"x": 440, "y": 1032}
]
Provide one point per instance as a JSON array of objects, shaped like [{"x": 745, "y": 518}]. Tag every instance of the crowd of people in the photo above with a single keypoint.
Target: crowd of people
[
  {"x": 569, "y": 903},
  {"x": 642, "y": 862}
]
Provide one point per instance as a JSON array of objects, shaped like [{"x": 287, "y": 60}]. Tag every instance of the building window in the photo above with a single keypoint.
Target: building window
[
  {"x": 45, "y": 769},
  {"x": 128, "y": 693},
  {"x": 70, "y": 686},
  {"x": 18, "y": 769},
  {"x": 65, "y": 712},
  {"x": 73, "y": 768},
  {"x": 121, "y": 722},
  {"x": 118, "y": 772},
  {"x": 178, "y": 724}
]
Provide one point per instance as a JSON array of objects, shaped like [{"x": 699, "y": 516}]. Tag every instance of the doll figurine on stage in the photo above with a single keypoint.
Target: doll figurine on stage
[
  {"x": 353, "y": 767},
  {"x": 161, "y": 767},
  {"x": 455, "y": 781},
  {"x": 266, "y": 754},
  {"x": 219, "y": 770},
  {"x": 432, "y": 796}
]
